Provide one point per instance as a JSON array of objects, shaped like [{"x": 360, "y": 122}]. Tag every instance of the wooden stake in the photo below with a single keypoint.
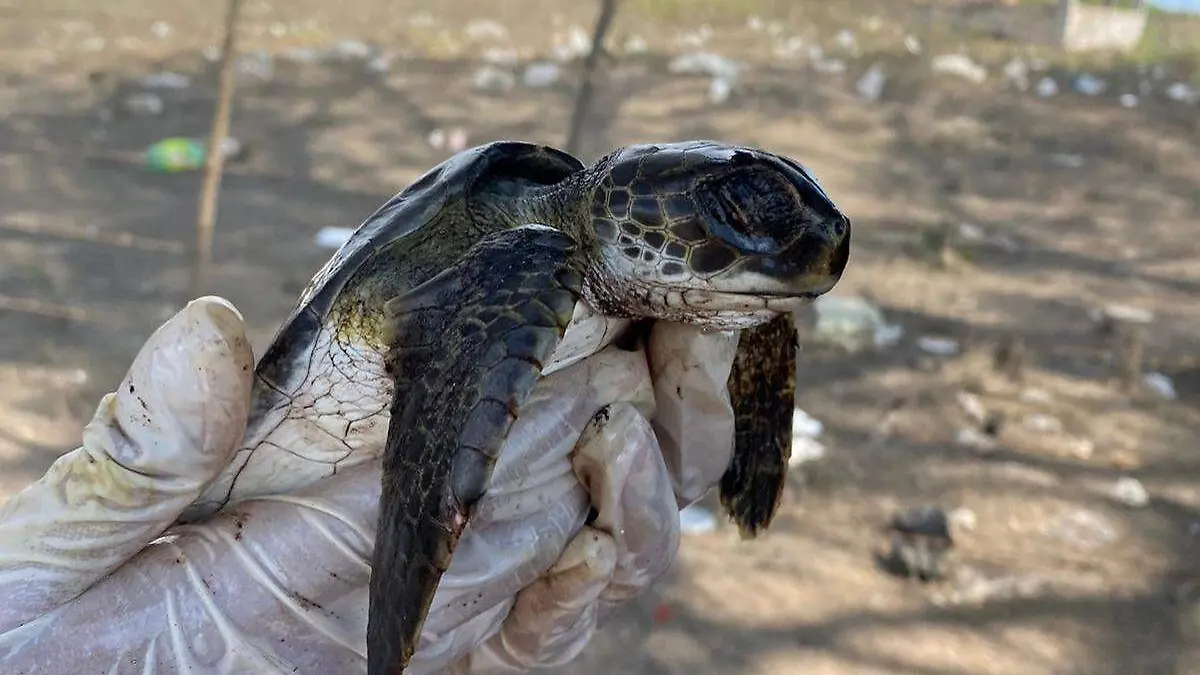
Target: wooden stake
[
  {"x": 206, "y": 214},
  {"x": 583, "y": 100}
]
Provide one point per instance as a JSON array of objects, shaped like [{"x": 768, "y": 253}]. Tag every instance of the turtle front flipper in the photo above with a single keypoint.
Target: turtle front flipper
[
  {"x": 465, "y": 349},
  {"x": 762, "y": 388}
]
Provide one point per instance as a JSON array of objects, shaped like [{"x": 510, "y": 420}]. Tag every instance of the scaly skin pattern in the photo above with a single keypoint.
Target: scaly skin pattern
[
  {"x": 716, "y": 236},
  {"x": 469, "y": 346},
  {"x": 762, "y": 389}
]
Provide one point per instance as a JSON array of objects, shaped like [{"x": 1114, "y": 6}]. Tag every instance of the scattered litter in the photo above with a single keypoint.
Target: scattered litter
[
  {"x": 912, "y": 44},
  {"x": 829, "y": 66},
  {"x": 974, "y": 588},
  {"x": 1046, "y": 87},
  {"x": 804, "y": 424},
  {"x": 259, "y": 65},
  {"x": 380, "y": 64},
  {"x": 542, "y": 74},
  {"x": 1081, "y": 528},
  {"x": 960, "y": 65},
  {"x": 454, "y": 140},
  {"x": 166, "y": 80},
  {"x": 853, "y": 323},
  {"x": 1128, "y": 101},
  {"x": 805, "y": 450},
  {"x": 1045, "y": 424},
  {"x": 1081, "y": 448},
  {"x": 333, "y": 237},
  {"x": 300, "y": 55},
  {"x": 160, "y": 29},
  {"x": 696, "y": 519},
  {"x": 485, "y": 29},
  {"x": 788, "y": 48},
  {"x": 963, "y": 518},
  {"x": 970, "y": 437},
  {"x": 1067, "y": 160},
  {"x": 1016, "y": 73},
  {"x": 577, "y": 43},
  {"x": 870, "y": 85},
  {"x": 938, "y": 346},
  {"x": 491, "y": 78},
  {"x": 1035, "y": 396},
  {"x": 175, "y": 154},
  {"x": 1161, "y": 385},
  {"x": 971, "y": 405},
  {"x": 970, "y": 232},
  {"x": 635, "y": 44},
  {"x": 1117, "y": 313},
  {"x": 1090, "y": 85},
  {"x": 501, "y": 56},
  {"x": 1182, "y": 93},
  {"x": 351, "y": 50},
  {"x": 144, "y": 104},
  {"x": 696, "y": 38},
  {"x": 723, "y": 71},
  {"x": 845, "y": 40},
  {"x": 1130, "y": 492}
]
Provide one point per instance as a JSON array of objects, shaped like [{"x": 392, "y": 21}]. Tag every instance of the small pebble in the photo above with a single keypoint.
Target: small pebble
[{"x": 1130, "y": 492}]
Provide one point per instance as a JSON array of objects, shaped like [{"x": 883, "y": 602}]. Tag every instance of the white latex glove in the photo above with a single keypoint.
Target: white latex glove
[{"x": 91, "y": 579}]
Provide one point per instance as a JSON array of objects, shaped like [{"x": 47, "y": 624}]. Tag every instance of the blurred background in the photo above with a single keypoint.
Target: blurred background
[{"x": 1014, "y": 342}]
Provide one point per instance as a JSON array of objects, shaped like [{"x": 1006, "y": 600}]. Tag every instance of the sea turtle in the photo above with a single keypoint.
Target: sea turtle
[{"x": 445, "y": 304}]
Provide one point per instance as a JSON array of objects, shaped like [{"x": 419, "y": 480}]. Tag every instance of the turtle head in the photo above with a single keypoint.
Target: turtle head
[{"x": 712, "y": 234}]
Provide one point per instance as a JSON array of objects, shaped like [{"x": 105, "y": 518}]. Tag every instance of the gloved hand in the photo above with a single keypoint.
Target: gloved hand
[{"x": 93, "y": 577}]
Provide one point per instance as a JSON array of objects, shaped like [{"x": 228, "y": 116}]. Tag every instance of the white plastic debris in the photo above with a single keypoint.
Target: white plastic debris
[
  {"x": 1090, "y": 85},
  {"x": 501, "y": 56},
  {"x": 574, "y": 44},
  {"x": 1043, "y": 423},
  {"x": 870, "y": 85},
  {"x": 143, "y": 104},
  {"x": 541, "y": 74},
  {"x": 166, "y": 80},
  {"x": 970, "y": 437},
  {"x": 333, "y": 237},
  {"x": 696, "y": 519},
  {"x": 300, "y": 55},
  {"x": 706, "y": 63},
  {"x": 1035, "y": 396},
  {"x": 845, "y": 40},
  {"x": 912, "y": 44},
  {"x": 1081, "y": 528},
  {"x": 1047, "y": 87},
  {"x": 970, "y": 232},
  {"x": 805, "y": 450},
  {"x": 828, "y": 66},
  {"x": 804, "y": 424},
  {"x": 160, "y": 29},
  {"x": 1183, "y": 93},
  {"x": 380, "y": 64},
  {"x": 491, "y": 78},
  {"x": 1130, "y": 492},
  {"x": 1016, "y": 73},
  {"x": 1161, "y": 385},
  {"x": 971, "y": 405},
  {"x": 1122, "y": 314},
  {"x": 351, "y": 50},
  {"x": 720, "y": 88},
  {"x": 959, "y": 65},
  {"x": 853, "y": 323},
  {"x": 789, "y": 48},
  {"x": 962, "y": 518},
  {"x": 259, "y": 65},
  {"x": 485, "y": 29},
  {"x": 1068, "y": 160},
  {"x": 938, "y": 346},
  {"x": 1128, "y": 101},
  {"x": 636, "y": 44}
]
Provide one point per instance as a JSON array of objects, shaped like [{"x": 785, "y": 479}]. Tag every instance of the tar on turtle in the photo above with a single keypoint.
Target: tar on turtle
[{"x": 457, "y": 291}]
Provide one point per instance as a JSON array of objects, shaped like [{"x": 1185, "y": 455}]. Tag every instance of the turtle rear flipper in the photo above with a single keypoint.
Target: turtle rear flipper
[
  {"x": 465, "y": 350},
  {"x": 762, "y": 389}
]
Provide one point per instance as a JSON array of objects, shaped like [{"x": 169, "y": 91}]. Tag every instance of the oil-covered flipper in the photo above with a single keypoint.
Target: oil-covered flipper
[
  {"x": 465, "y": 349},
  {"x": 762, "y": 388}
]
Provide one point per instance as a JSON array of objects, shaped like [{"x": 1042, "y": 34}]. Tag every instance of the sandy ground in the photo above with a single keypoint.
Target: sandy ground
[{"x": 1079, "y": 202}]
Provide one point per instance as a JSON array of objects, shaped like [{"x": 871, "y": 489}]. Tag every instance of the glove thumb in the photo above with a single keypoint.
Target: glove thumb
[{"x": 152, "y": 447}]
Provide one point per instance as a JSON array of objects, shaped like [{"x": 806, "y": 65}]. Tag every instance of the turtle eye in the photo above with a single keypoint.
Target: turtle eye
[{"x": 753, "y": 208}]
